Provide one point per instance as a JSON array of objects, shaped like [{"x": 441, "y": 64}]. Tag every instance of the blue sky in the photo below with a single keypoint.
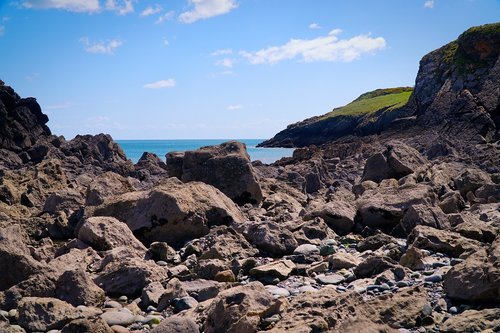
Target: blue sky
[{"x": 172, "y": 69}]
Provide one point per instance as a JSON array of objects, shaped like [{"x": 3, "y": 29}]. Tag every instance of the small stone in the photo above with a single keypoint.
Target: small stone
[
  {"x": 119, "y": 329},
  {"x": 123, "y": 299},
  {"x": 184, "y": 303},
  {"x": 4, "y": 314},
  {"x": 455, "y": 261},
  {"x": 415, "y": 275},
  {"x": 112, "y": 304},
  {"x": 427, "y": 310},
  {"x": 122, "y": 318},
  {"x": 385, "y": 286},
  {"x": 225, "y": 276},
  {"x": 13, "y": 313},
  {"x": 161, "y": 263},
  {"x": 151, "y": 309},
  {"x": 326, "y": 249},
  {"x": 304, "y": 289},
  {"x": 341, "y": 288},
  {"x": 438, "y": 264},
  {"x": 402, "y": 284},
  {"x": 434, "y": 278},
  {"x": 306, "y": 249},
  {"x": 399, "y": 273},
  {"x": 277, "y": 291},
  {"x": 330, "y": 279},
  {"x": 453, "y": 310}
]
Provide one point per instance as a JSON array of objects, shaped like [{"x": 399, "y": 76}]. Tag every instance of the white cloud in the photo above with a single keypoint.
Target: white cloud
[
  {"x": 325, "y": 48},
  {"x": 165, "y": 41},
  {"x": 121, "y": 7},
  {"x": 101, "y": 47},
  {"x": 204, "y": 9},
  {"x": 234, "y": 107},
  {"x": 151, "y": 10},
  {"x": 226, "y": 62},
  {"x": 79, "y": 6},
  {"x": 165, "y": 17},
  {"x": 168, "y": 83},
  {"x": 221, "y": 52},
  {"x": 429, "y": 4},
  {"x": 314, "y": 26}
]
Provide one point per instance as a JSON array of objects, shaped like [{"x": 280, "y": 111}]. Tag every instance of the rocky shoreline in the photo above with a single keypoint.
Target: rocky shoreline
[{"x": 394, "y": 232}]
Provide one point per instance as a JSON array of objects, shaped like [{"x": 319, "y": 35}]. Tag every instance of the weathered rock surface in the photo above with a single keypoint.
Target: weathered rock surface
[
  {"x": 227, "y": 167},
  {"x": 173, "y": 212},
  {"x": 477, "y": 278}
]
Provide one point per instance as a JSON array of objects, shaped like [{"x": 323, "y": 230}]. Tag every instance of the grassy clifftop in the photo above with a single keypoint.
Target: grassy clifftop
[
  {"x": 367, "y": 114},
  {"x": 373, "y": 101}
]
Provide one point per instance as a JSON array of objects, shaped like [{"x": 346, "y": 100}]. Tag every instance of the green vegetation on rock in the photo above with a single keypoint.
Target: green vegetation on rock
[{"x": 380, "y": 99}]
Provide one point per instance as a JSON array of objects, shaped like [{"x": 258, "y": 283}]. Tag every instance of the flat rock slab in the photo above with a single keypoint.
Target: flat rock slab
[
  {"x": 280, "y": 269},
  {"x": 330, "y": 279}
]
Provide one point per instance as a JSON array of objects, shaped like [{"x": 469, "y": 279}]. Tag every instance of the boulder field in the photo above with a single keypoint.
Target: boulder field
[{"x": 393, "y": 230}]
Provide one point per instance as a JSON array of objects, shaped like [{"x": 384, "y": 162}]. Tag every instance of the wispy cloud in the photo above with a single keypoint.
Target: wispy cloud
[
  {"x": 314, "y": 26},
  {"x": 429, "y": 4},
  {"x": 165, "y": 41},
  {"x": 162, "y": 84},
  {"x": 325, "y": 48},
  {"x": 165, "y": 17},
  {"x": 60, "y": 106},
  {"x": 32, "y": 77},
  {"x": 101, "y": 47},
  {"x": 2, "y": 30},
  {"x": 221, "y": 52},
  {"x": 121, "y": 7},
  {"x": 233, "y": 107},
  {"x": 78, "y": 6},
  {"x": 151, "y": 10},
  {"x": 203, "y": 9},
  {"x": 226, "y": 62}
]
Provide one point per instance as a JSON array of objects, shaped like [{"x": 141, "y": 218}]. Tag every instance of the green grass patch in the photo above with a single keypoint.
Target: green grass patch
[{"x": 389, "y": 99}]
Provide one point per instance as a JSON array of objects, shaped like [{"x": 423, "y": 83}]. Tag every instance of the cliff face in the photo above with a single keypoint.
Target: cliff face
[
  {"x": 370, "y": 113},
  {"x": 458, "y": 84},
  {"x": 457, "y": 88}
]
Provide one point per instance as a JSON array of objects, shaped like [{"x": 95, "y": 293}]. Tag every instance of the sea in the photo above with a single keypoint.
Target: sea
[{"x": 135, "y": 148}]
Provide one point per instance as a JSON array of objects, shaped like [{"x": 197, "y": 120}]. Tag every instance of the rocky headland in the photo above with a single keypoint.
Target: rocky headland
[{"x": 386, "y": 218}]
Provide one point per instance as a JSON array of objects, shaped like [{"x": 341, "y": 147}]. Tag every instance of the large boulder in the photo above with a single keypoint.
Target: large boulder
[
  {"x": 106, "y": 185},
  {"x": 128, "y": 276},
  {"x": 386, "y": 205},
  {"x": 105, "y": 233},
  {"x": 339, "y": 216},
  {"x": 16, "y": 263},
  {"x": 487, "y": 320},
  {"x": 396, "y": 161},
  {"x": 240, "y": 309},
  {"x": 269, "y": 237},
  {"x": 176, "y": 325},
  {"x": 44, "y": 314},
  {"x": 424, "y": 215},
  {"x": 226, "y": 166},
  {"x": 444, "y": 241},
  {"x": 77, "y": 288},
  {"x": 477, "y": 279},
  {"x": 172, "y": 212}
]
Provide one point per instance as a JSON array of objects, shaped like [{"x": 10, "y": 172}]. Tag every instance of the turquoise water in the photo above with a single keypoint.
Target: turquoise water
[{"x": 134, "y": 148}]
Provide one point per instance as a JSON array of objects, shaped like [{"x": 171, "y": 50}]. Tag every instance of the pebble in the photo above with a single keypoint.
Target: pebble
[
  {"x": 123, "y": 299},
  {"x": 13, "y": 313},
  {"x": 184, "y": 303},
  {"x": 415, "y": 275},
  {"x": 121, "y": 318},
  {"x": 453, "y": 310},
  {"x": 341, "y": 288},
  {"x": 330, "y": 279},
  {"x": 438, "y": 264},
  {"x": 455, "y": 261},
  {"x": 434, "y": 278},
  {"x": 151, "y": 309},
  {"x": 112, "y": 304},
  {"x": 277, "y": 291},
  {"x": 304, "y": 289},
  {"x": 427, "y": 310},
  {"x": 399, "y": 273},
  {"x": 161, "y": 263},
  {"x": 4, "y": 314},
  {"x": 53, "y": 331},
  {"x": 119, "y": 329},
  {"x": 306, "y": 249}
]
